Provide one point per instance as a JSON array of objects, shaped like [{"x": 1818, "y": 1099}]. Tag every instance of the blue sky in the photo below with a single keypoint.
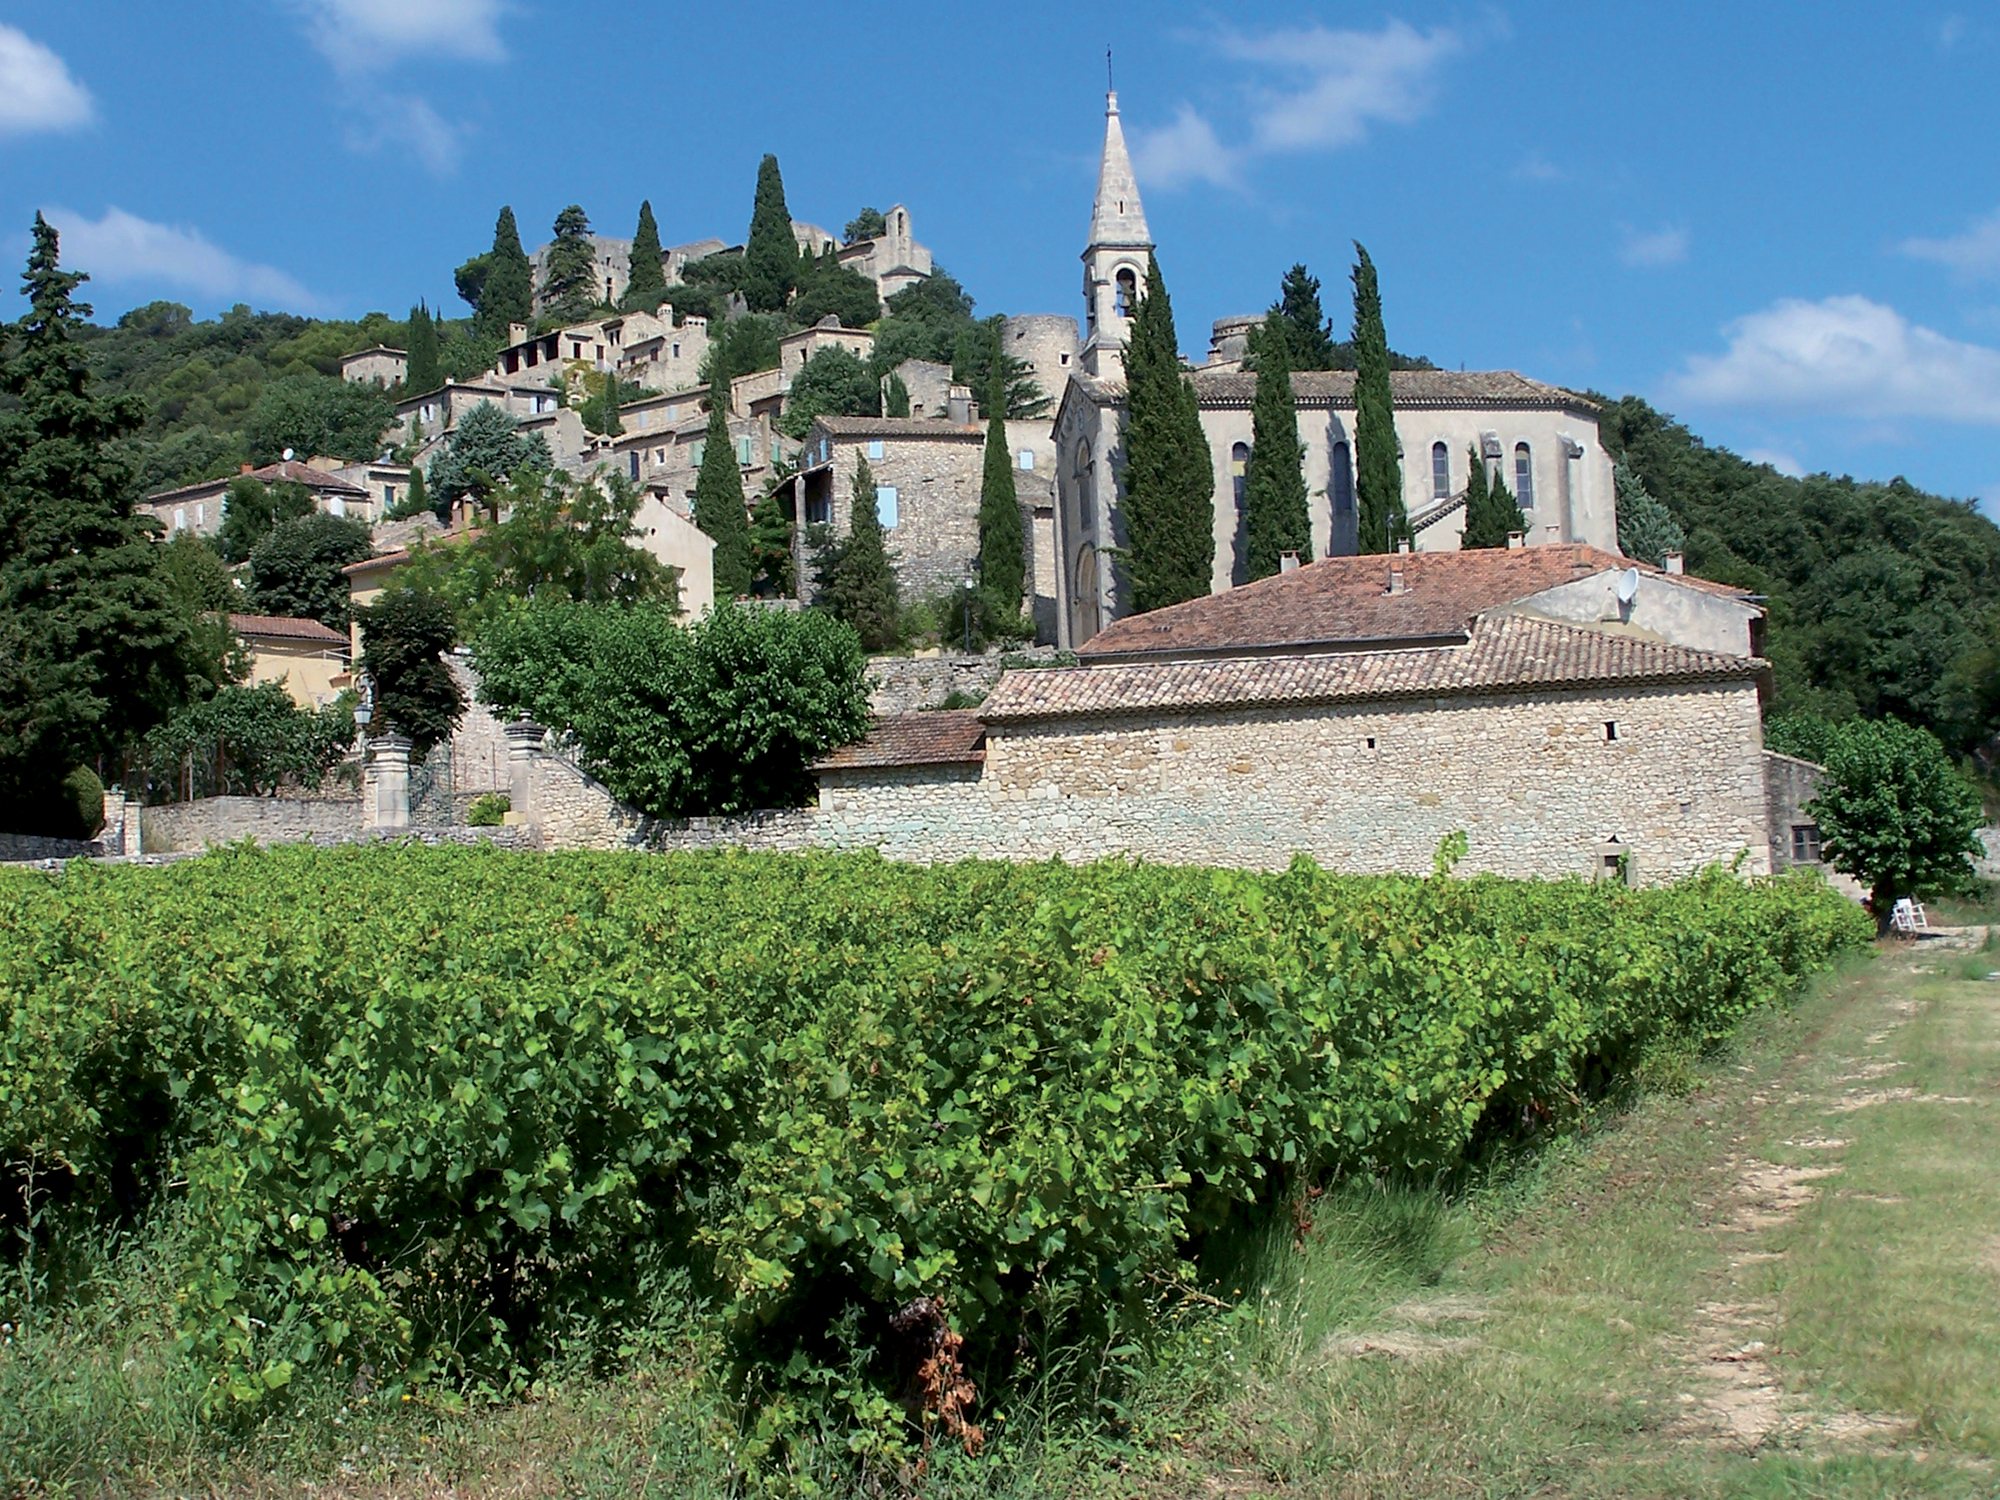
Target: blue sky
[{"x": 1780, "y": 221}]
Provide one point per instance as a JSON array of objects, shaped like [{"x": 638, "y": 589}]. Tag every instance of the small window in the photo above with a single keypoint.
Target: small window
[
  {"x": 875, "y": 448},
  {"x": 632, "y": 459},
  {"x": 1026, "y": 459},
  {"x": 885, "y": 506},
  {"x": 696, "y": 453},
  {"x": 201, "y": 516},
  {"x": 388, "y": 497},
  {"x": 335, "y": 504},
  {"x": 743, "y": 452},
  {"x": 677, "y": 351},
  {"x": 180, "y": 518},
  {"x": 1343, "y": 480},
  {"x": 1440, "y": 472},
  {"x": 1128, "y": 291},
  {"x": 818, "y": 511},
  {"x": 1063, "y": 359},
  {"x": 1371, "y": 742},
  {"x": 1805, "y": 843},
  {"x": 1524, "y": 476},
  {"x": 1610, "y": 729},
  {"x": 1239, "y": 473}
]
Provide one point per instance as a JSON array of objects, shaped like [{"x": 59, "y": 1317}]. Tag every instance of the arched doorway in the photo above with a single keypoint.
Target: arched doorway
[{"x": 1086, "y": 616}]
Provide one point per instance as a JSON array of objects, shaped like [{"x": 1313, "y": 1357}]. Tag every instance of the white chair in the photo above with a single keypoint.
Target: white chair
[{"x": 1909, "y": 917}]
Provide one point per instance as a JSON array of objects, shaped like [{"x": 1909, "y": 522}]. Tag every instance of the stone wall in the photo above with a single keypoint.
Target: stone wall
[
  {"x": 22, "y": 848},
  {"x": 176, "y": 826},
  {"x": 574, "y": 810},
  {"x": 935, "y": 541},
  {"x": 1988, "y": 865},
  {"x": 1789, "y": 784},
  {"x": 904, "y": 684}
]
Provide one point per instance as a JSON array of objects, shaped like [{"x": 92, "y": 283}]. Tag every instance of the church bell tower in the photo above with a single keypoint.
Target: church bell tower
[{"x": 1118, "y": 256}]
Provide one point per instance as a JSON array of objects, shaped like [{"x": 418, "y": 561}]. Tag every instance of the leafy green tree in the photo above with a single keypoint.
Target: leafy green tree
[
  {"x": 895, "y": 397},
  {"x": 1895, "y": 813},
  {"x": 869, "y": 224},
  {"x": 1274, "y": 485},
  {"x": 1647, "y": 530},
  {"x": 925, "y": 321},
  {"x": 834, "y": 382},
  {"x": 244, "y": 742},
  {"x": 296, "y": 569},
  {"x": 978, "y": 349},
  {"x": 500, "y": 284},
  {"x": 406, "y": 635},
  {"x": 1304, "y": 327},
  {"x": 1490, "y": 512},
  {"x": 771, "y": 527},
  {"x": 424, "y": 372},
  {"x": 853, "y": 578},
  {"x": 770, "y": 253},
  {"x": 1378, "y": 480},
  {"x": 416, "y": 499},
  {"x": 646, "y": 287},
  {"x": 722, "y": 717},
  {"x": 250, "y": 508},
  {"x": 1169, "y": 486},
  {"x": 719, "y": 506},
  {"x": 204, "y": 595},
  {"x": 569, "y": 269},
  {"x": 741, "y": 346},
  {"x": 92, "y": 646},
  {"x": 1002, "y": 539},
  {"x": 560, "y": 538},
  {"x": 600, "y": 408},
  {"x": 827, "y": 287},
  {"x": 318, "y": 414},
  {"x": 483, "y": 453}
]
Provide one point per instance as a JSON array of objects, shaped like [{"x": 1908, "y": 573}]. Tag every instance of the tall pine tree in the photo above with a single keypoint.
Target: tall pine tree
[
  {"x": 1274, "y": 483},
  {"x": 718, "y": 501},
  {"x": 424, "y": 372},
  {"x": 1169, "y": 482},
  {"x": 508, "y": 293},
  {"x": 770, "y": 254},
  {"x": 91, "y": 641},
  {"x": 1002, "y": 540},
  {"x": 647, "y": 287},
  {"x": 895, "y": 396},
  {"x": 1308, "y": 332},
  {"x": 1378, "y": 480},
  {"x": 569, "y": 274},
  {"x": 854, "y": 577}
]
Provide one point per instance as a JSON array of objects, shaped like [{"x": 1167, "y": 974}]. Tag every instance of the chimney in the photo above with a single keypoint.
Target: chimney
[
  {"x": 1403, "y": 545},
  {"x": 517, "y": 333},
  {"x": 958, "y": 405},
  {"x": 1516, "y": 540},
  {"x": 461, "y": 515},
  {"x": 1288, "y": 562},
  {"x": 1555, "y": 534},
  {"x": 1674, "y": 562},
  {"x": 1396, "y": 585},
  {"x": 245, "y": 469}
]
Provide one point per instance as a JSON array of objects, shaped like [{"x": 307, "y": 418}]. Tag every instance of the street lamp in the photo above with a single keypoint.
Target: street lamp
[{"x": 970, "y": 584}]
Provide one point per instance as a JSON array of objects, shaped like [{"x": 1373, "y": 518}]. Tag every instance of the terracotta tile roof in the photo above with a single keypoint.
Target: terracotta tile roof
[
  {"x": 920, "y": 427},
  {"x": 1505, "y": 653},
  {"x": 290, "y": 470},
  {"x": 284, "y": 628},
  {"x": 942, "y": 737},
  {"x": 1499, "y": 389},
  {"x": 1347, "y": 600}
]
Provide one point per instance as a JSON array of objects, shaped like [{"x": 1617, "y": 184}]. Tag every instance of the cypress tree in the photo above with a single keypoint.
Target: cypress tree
[
  {"x": 425, "y": 372},
  {"x": 647, "y": 287},
  {"x": 1002, "y": 541},
  {"x": 895, "y": 397},
  {"x": 718, "y": 501},
  {"x": 416, "y": 499},
  {"x": 1486, "y": 524},
  {"x": 1378, "y": 480},
  {"x": 91, "y": 639},
  {"x": 856, "y": 580},
  {"x": 1169, "y": 484},
  {"x": 1308, "y": 332},
  {"x": 569, "y": 276},
  {"x": 1506, "y": 509},
  {"x": 508, "y": 295},
  {"x": 1274, "y": 482},
  {"x": 770, "y": 254}
]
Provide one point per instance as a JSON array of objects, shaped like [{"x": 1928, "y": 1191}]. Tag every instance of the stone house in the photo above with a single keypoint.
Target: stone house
[
  {"x": 794, "y": 349},
  {"x": 308, "y": 659},
  {"x": 893, "y": 260},
  {"x": 645, "y": 349},
  {"x": 199, "y": 507},
  {"x": 380, "y": 365},
  {"x": 436, "y": 414}
]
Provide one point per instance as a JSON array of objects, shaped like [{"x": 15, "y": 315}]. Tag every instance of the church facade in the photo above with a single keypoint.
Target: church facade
[{"x": 1543, "y": 440}]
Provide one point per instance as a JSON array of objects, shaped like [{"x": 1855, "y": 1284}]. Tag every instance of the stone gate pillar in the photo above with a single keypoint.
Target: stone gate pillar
[
  {"x": 524, "y": 748},
  {"x": 389, "y": 761}
]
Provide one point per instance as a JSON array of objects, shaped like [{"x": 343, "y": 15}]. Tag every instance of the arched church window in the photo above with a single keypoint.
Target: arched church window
[
  {"x": 1524, "y": 476},
  {"x": 1440, "y": 472},
  {"x": 1239, "y": 473},
  {"x": 1128, "y": 291},
  {"x": 1343, "y": 480}
]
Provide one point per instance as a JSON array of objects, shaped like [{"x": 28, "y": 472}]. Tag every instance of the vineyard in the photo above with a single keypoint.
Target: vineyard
[{"x": 437, "y": 1114}]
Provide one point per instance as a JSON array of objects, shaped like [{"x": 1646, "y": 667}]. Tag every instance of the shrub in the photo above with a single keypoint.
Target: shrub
[
  {"x": 83, "y": 800},
  {"x": 489, "y": 811}
]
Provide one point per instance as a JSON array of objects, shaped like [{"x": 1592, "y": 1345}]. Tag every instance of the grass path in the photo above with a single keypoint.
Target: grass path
[{"x": 1786, "y": 1283}]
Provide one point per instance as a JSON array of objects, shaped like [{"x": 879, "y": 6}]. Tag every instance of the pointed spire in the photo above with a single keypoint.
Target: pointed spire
[{"x": 1118, "y": 217}]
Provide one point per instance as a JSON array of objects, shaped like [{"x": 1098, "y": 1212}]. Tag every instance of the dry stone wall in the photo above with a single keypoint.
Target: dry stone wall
[
  {"x": 177, "y": 826},
  {"x": 905, "y": 684}
]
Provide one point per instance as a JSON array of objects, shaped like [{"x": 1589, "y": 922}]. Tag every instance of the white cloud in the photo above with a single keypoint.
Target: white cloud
[
  {"x": 1313, "y": 89},
  {"x": 1536, "y": 167},
  {"x": 1778, "y": 459},
  {"x": 1950, "y": 32},
  {"x": 123, "y": 247},
  {"x": 36, "y": 90},
  {"x": 410, "y": 125},
  {"x": 1651, "y": 249},
  {"x": 360, "y": 34},
  {"x": 1976, "y": 252},
  {"x": 1846, "y": 356}
]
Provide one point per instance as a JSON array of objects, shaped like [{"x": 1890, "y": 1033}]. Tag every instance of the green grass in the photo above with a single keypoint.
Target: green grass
[{"x": 1538, "y": 1332}]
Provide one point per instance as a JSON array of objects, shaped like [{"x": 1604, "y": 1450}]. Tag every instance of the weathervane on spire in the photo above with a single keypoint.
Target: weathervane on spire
[{"x": 1108, "y": 84}]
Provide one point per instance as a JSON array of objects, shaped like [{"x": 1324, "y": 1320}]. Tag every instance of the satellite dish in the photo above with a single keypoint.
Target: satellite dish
[
  {"x": 288, "y": 455},
  {"x": 1628, "y": 585}
]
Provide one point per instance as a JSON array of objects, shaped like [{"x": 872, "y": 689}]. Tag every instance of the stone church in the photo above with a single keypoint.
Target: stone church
[{"x": 1541, "y": 438}]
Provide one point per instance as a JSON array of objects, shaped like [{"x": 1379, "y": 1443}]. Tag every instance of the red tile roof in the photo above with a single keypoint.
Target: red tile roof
[
  {"x": 938, "y": 738},
  {"x": 290, "y": 470},
  {"x": 284, "y": 628},
  {"x": 1505, "y": 653},
  {"x": 1346, "y": 600}
]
